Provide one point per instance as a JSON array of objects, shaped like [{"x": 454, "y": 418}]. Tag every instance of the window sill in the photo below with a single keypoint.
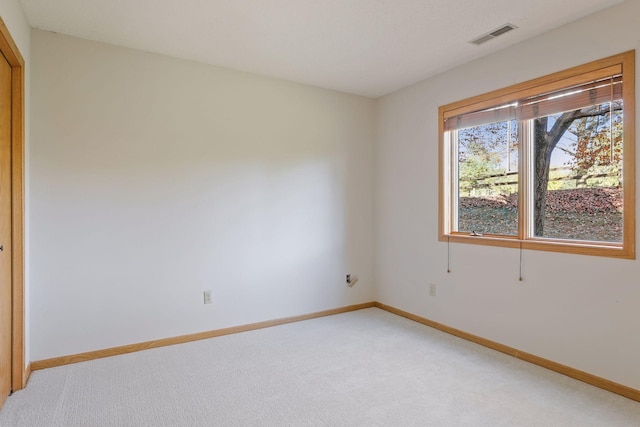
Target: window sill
[{"x": 611, "y": 250}]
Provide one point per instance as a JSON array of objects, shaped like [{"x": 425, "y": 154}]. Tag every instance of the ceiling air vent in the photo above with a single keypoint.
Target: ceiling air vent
[{"x": 493, "y": 34}]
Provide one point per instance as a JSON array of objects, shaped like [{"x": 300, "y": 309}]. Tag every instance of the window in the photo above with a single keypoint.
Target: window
[{"x": 548, "y": 164}]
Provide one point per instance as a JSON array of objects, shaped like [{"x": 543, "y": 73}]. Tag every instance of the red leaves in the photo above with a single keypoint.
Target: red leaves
[
  {"x": 585, "y": 200},
  {"x": 581, "y": 200},
  {"x": 500, "y": 201}
]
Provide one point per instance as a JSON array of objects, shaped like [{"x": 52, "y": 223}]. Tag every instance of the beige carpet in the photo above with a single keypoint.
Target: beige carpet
[{"x": 364, "y": 368}]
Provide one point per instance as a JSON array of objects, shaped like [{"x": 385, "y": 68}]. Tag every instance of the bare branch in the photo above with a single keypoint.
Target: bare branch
[
  {"x": 566, "y": 150},
  {"x": 560, "y": 127},
  {"x": 595, "y": 113}
]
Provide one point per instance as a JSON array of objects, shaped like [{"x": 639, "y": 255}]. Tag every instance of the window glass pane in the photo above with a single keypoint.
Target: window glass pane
[
  {"x": 578, "y": 174},
  {"x": 488, "y": 178}
]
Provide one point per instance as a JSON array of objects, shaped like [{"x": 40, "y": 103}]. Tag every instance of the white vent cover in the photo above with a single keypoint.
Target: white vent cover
[{"x": 493, "y": 34}]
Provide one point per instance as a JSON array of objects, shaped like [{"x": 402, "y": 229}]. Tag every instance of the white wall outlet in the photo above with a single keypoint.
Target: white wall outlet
[
  {"x": 207, "y": 297},
  {"x": 432, "y": 289}
]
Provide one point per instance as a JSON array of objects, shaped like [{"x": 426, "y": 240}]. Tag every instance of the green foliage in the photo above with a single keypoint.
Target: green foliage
[
  {"x": 485, "y": 152},
  {"x": 478, "y": 164}
]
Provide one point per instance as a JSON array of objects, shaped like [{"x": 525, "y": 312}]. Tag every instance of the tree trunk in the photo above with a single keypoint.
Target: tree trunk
[
  {"x": 545, "y": 142},
  {"x": 542, "y": 162}
]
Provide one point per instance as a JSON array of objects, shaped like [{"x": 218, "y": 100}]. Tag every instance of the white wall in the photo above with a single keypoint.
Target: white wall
[
  {"x": 16, "y": 22},
  {"x": 581, "y": 311},
  {"x": 153, "y": 179}
]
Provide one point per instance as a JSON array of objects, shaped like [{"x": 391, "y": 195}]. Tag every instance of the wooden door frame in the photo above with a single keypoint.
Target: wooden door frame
[{"x": 19, "y": 373}]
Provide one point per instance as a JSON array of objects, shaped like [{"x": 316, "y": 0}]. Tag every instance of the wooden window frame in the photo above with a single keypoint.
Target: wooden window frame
[{"x": 624, "y": 64}]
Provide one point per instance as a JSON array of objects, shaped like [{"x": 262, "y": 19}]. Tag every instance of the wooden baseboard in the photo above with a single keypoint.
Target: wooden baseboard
[
  {"x": 577, "y": 374},
  {"x": 594, "y": 380},
  {"x": 27, "y": 374},
  {"x": 25, "y": 377},
  {"x": 114, "y": 351}
]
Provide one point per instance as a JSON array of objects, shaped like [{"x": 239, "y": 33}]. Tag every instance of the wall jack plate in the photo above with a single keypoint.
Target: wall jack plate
[
  {"x": 351, "y": 280},
  {"x": 207, "y": 297}
]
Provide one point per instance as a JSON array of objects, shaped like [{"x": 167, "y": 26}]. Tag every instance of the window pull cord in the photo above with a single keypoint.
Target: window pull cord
[
  {"x": 448, "y": 254},
  {"x": 611, "y": 124},
  {"x": 520, "y": 279}
]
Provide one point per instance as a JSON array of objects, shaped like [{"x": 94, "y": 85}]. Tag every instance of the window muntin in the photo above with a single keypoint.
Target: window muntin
[{"x": 570, "y": 138}]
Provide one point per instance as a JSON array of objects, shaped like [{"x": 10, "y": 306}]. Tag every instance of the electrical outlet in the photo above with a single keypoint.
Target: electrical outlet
[
  {"x": 207, "y": 297},
  {"x": 432, "y": 289}
]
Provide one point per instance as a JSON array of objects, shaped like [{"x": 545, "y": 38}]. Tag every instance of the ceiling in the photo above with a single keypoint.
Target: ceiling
[{"x": 364, "y": 47}]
